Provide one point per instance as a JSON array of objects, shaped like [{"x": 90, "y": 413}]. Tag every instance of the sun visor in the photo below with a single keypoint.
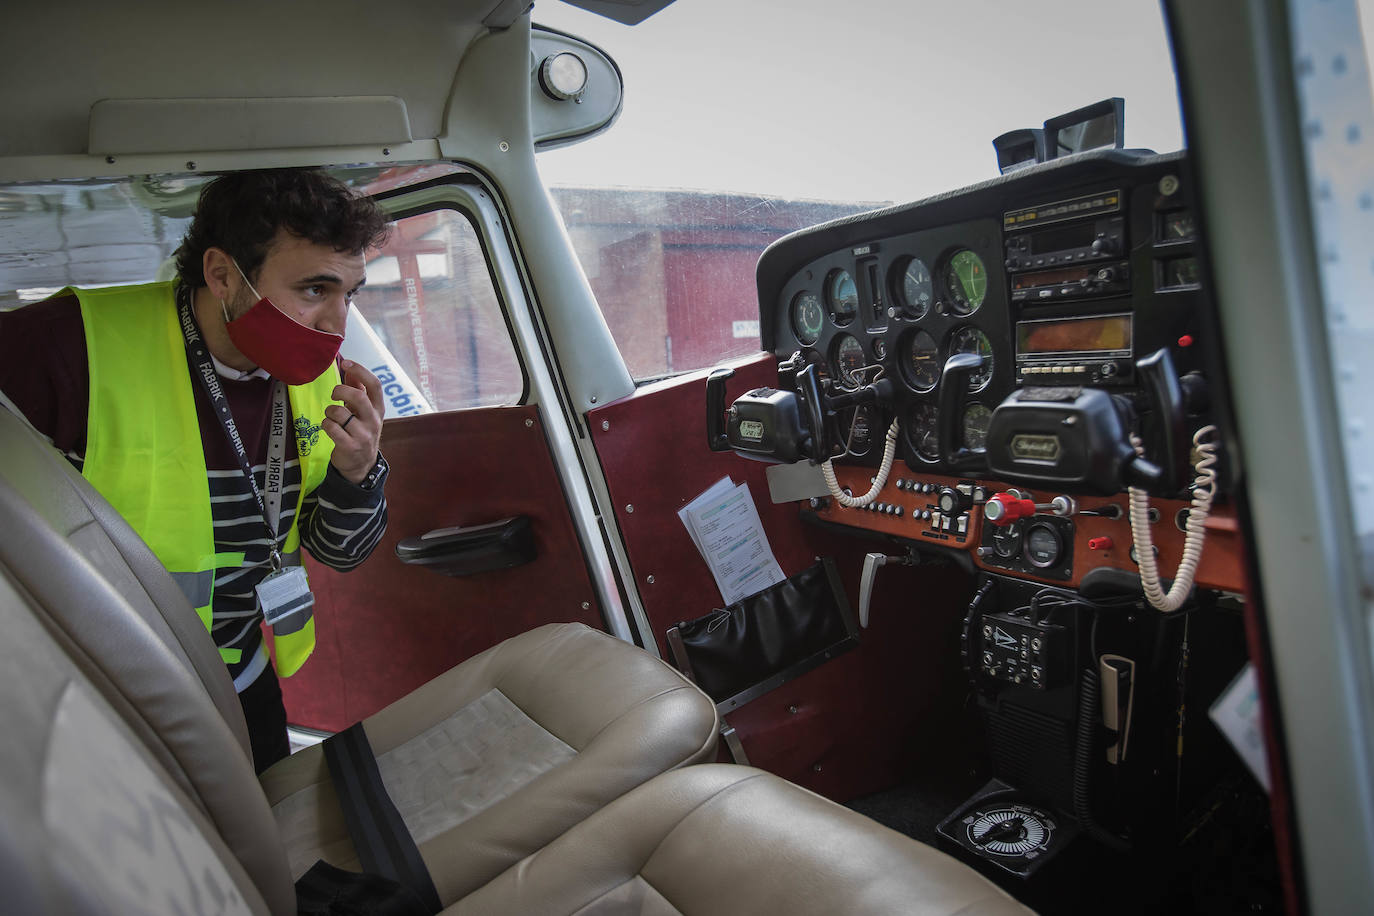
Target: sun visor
[{"x": 128, "y": 126}]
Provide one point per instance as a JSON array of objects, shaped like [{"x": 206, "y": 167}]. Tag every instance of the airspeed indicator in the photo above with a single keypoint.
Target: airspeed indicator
[{"x": 807, "y": 317}]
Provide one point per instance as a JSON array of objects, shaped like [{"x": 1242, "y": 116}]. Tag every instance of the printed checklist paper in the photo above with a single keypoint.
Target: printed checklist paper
[{"x": 724, "y": 524}]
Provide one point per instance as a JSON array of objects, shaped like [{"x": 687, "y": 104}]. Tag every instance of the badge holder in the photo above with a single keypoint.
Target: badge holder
[{"x": 285, "y": 598}]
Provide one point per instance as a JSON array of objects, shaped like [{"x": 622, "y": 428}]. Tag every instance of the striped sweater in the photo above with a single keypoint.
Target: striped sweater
[{"x": 43, "y": 370}]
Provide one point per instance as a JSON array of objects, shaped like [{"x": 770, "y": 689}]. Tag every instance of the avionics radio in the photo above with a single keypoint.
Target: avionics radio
[
  {"x": 1090, "y": 350},
  {"x": 1067, "y": 249}
]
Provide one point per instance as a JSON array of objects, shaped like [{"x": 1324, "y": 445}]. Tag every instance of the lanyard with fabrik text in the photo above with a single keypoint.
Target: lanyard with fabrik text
[{"x": 269, "y": 504}]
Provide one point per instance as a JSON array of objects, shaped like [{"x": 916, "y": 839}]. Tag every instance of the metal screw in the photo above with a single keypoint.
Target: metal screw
[
  {"x": 190, "y": 166},
  {"x": 629, "y": 508},
  {"x": 586, "y": 605},
  {"x": 110, "y": 160},
  {"x": 792, "y": 709},
  {"x": 386, "y": 151},
  {"x": 528, "y": 422},
  {"x": 815, "y": 767},
  {"x": 503, "y": 146},
  {"x": 593, "y": 399},
  {"x": 650, "y": 580},
  {"x": 605, "y": 425}
]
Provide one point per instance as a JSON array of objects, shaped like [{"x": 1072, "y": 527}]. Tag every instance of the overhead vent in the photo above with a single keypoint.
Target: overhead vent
[{"x": 575, "y": 89}]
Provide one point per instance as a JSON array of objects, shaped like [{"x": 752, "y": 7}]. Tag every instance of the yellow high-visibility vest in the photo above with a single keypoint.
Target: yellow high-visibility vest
[{"x": 143, "y": 447}]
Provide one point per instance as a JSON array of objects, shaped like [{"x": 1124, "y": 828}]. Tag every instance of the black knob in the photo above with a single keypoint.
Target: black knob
[{"x": 952, "y": 502}]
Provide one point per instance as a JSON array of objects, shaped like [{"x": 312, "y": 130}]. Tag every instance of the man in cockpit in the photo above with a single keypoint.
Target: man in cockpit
[{"x": 214, "y": 414}]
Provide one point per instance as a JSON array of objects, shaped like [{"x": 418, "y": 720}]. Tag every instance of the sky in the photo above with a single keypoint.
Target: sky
[{"x": 875, "y": 100}]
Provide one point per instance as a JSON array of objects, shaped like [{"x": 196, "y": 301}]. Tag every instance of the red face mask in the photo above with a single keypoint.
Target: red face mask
[{"x": 276, "y": 342}]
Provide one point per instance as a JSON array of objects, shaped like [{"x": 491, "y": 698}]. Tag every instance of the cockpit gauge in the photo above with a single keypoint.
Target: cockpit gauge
[
  {"x": 923, "y": 431},
  {"x": 1006, "y": 541},
  {"x": 1044, "y": 547},
  {"x": 915, "y": 289},
  {"x": 1178, "y": 226},
  {"x": 921, "y": 361},
  {"x": 964, "y": 282},
  {"x": 807, "y": 318},
  {"x": 969, "y": 339},
  {"x": 856, "y": 428},
  {"x": 1018, "y": 831},
  {"x": 842, "y": 296},
  {"x": 849, "y": 361},
  {"x": 977, "y": 417}
]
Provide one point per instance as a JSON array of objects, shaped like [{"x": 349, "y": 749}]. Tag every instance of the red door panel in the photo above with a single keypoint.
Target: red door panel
[
  {"x": 387, "y": 627},
  {"x": 831, "y": 729}
]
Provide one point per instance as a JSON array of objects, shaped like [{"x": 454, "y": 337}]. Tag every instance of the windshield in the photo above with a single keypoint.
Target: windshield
[
  {"x": 886, "y": 100},
  {"x": 743, "y": 122}
]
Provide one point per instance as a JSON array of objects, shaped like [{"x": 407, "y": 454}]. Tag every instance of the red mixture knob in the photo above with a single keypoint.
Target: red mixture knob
[{"x": 1003, "y": 508}]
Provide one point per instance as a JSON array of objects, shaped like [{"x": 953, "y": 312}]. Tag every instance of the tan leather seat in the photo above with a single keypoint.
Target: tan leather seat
[
  {"x": 504, "y": 753},
  {"x": 126, "y": 784},
  {"x": 488, "y": 762},
  {"x": 727, "y": 840}
]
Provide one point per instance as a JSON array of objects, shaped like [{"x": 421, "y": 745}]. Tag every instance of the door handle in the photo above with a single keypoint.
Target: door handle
[{"x": 467, "y": 551}]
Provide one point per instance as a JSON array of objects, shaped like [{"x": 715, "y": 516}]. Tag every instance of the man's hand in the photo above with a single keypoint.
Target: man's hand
[{"x": 356, "y": 424}]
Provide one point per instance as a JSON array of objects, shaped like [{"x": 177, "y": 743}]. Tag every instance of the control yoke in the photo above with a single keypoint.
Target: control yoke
[
  {"x": 1081, "y": 437},
  {"x": 953, "y": 383},
  {"x": 770, "y": 424}
]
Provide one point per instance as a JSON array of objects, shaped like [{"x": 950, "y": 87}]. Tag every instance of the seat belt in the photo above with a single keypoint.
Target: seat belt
[
  {"x": 379, "y": 835},
  {"x": 329, "y": 891}
]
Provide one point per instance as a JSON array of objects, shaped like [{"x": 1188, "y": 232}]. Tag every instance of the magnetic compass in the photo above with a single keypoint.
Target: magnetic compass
[{"x": 1017, "y": 831}]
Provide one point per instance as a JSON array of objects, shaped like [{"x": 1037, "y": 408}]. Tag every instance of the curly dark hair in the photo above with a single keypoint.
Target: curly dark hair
[{"x": 242, "y": 212}]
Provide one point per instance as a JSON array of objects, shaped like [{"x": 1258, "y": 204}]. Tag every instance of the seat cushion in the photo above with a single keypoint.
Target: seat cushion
[
  {"x": 90, "y": 820},
  {"x": 721, "y": 840},
  {"x": 494, "y": 759}
]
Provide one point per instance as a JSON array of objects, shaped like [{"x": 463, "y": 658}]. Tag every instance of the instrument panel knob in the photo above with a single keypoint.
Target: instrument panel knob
[
  {"x": 1004, "y": 508},
  {"x": 953, "y": 502}
]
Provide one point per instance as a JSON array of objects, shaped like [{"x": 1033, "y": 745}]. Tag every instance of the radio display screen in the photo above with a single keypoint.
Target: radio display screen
[
  {"x": 1103, "y": 334},
  {"x": 1062, "y": 238}
]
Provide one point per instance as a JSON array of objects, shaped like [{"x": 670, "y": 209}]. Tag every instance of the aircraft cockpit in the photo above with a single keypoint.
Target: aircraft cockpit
[
  {"x": 807, "y": 457},
  {"x": 1022, "y": 379}
]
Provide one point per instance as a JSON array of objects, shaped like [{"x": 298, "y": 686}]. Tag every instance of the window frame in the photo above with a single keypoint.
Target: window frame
[{"x": 394, "y": 203}]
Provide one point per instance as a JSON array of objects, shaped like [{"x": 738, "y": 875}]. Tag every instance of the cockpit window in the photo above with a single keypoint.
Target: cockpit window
[
  {"x": 742, "y": 123},
  {"x": 428, "y": 323}
]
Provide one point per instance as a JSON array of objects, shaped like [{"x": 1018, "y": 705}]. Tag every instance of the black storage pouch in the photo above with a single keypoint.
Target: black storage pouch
[{"x": 792, "y": 623}]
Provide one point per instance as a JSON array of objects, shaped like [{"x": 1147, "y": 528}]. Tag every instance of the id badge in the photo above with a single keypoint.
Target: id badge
[{"x": 283, "y": 595}]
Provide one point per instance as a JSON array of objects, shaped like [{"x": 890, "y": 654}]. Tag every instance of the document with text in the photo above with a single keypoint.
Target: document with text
[{"x": 724, "y": 524}]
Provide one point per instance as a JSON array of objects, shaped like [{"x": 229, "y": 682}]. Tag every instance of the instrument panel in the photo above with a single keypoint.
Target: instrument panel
[
  {"x": 1045, "y": 548},
  {"x": 898, "y": 308},
  {"x": 1059, "y": 278}
]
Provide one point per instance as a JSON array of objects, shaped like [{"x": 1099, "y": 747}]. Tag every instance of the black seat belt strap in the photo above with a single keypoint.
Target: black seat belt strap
[
  {"x": 379, "y": 835},
  {"x": 329, "y": 891}
]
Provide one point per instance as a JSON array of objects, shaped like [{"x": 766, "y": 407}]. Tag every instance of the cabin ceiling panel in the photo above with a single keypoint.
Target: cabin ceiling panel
[{"x": 57, "y": 62}]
